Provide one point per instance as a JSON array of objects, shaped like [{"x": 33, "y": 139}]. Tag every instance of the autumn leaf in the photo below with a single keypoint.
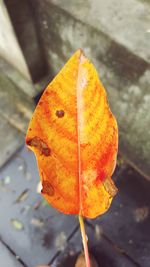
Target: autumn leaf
[{"x": 74, "y": 136}]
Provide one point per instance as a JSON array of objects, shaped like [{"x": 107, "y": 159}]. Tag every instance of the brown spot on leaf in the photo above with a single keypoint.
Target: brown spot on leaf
[
  {"x": 60, "y": 113},
  {"x": 40, "y": 145},
  {"x": 47, "y": 188}
]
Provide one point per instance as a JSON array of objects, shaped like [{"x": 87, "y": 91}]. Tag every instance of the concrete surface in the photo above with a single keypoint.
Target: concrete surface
[
  {"x": 9, "y": 46},
  {"x": 7, "y": 258},
  {"x": 123, "y": 67},
  {"x": 10, "y": 140},
  {"x": 34, "y": 231},
  {"x": 22, "y": 19},
  {"x": 38, "y": 234},
  {"x": 126, "y": 22}
]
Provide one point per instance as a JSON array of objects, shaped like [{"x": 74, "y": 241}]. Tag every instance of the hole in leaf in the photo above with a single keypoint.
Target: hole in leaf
[
  {"x": 40, "y": 145},
  {"x": 47, "y": 188}
]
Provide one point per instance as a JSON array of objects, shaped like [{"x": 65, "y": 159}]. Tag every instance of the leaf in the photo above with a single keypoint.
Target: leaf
[
  {"x": 7, "y": 180},
  {"x": 61, "y": 241},
  {"x": 37, "y": 222},
  {"x": 17, "y": 224},
  {"x": 23, "y": 196},
  {"x": 74, "y": 136}
]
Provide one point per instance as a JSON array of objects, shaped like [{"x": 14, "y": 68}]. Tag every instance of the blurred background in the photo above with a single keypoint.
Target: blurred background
[{"x": 36, "y": 39}]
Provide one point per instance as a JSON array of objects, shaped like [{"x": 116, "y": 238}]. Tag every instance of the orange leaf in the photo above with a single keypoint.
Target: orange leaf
[{"x": 75, "y": 138}]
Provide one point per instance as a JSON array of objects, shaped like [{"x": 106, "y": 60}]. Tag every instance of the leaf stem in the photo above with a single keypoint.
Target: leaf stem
[{"x": 84, "y": 240}]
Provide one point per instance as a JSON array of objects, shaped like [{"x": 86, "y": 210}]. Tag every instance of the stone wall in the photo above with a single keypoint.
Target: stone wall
[
  {"x": 9, "y": 46},
  {"x": 115, "y": 36}
]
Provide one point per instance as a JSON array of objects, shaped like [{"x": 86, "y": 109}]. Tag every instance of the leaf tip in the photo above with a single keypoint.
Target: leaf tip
[{"x": 80, "y": 53}]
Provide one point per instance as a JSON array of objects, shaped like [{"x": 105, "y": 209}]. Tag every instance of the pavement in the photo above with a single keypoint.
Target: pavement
[{"x": 33, "y": 233}]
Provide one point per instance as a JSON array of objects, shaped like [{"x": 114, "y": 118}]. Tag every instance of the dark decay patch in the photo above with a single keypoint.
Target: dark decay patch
[
  {"x": 40, "y": 145},
  {"x": 60, "y": 113},
  {"x": 47, "y": 188}
]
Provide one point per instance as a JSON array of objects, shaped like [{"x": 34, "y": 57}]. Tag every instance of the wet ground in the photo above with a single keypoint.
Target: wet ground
[{"x": 32, "y": 233}]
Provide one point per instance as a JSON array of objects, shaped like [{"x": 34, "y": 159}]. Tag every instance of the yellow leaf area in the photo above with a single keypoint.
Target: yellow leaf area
[{"x": 74, "y": 136}]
